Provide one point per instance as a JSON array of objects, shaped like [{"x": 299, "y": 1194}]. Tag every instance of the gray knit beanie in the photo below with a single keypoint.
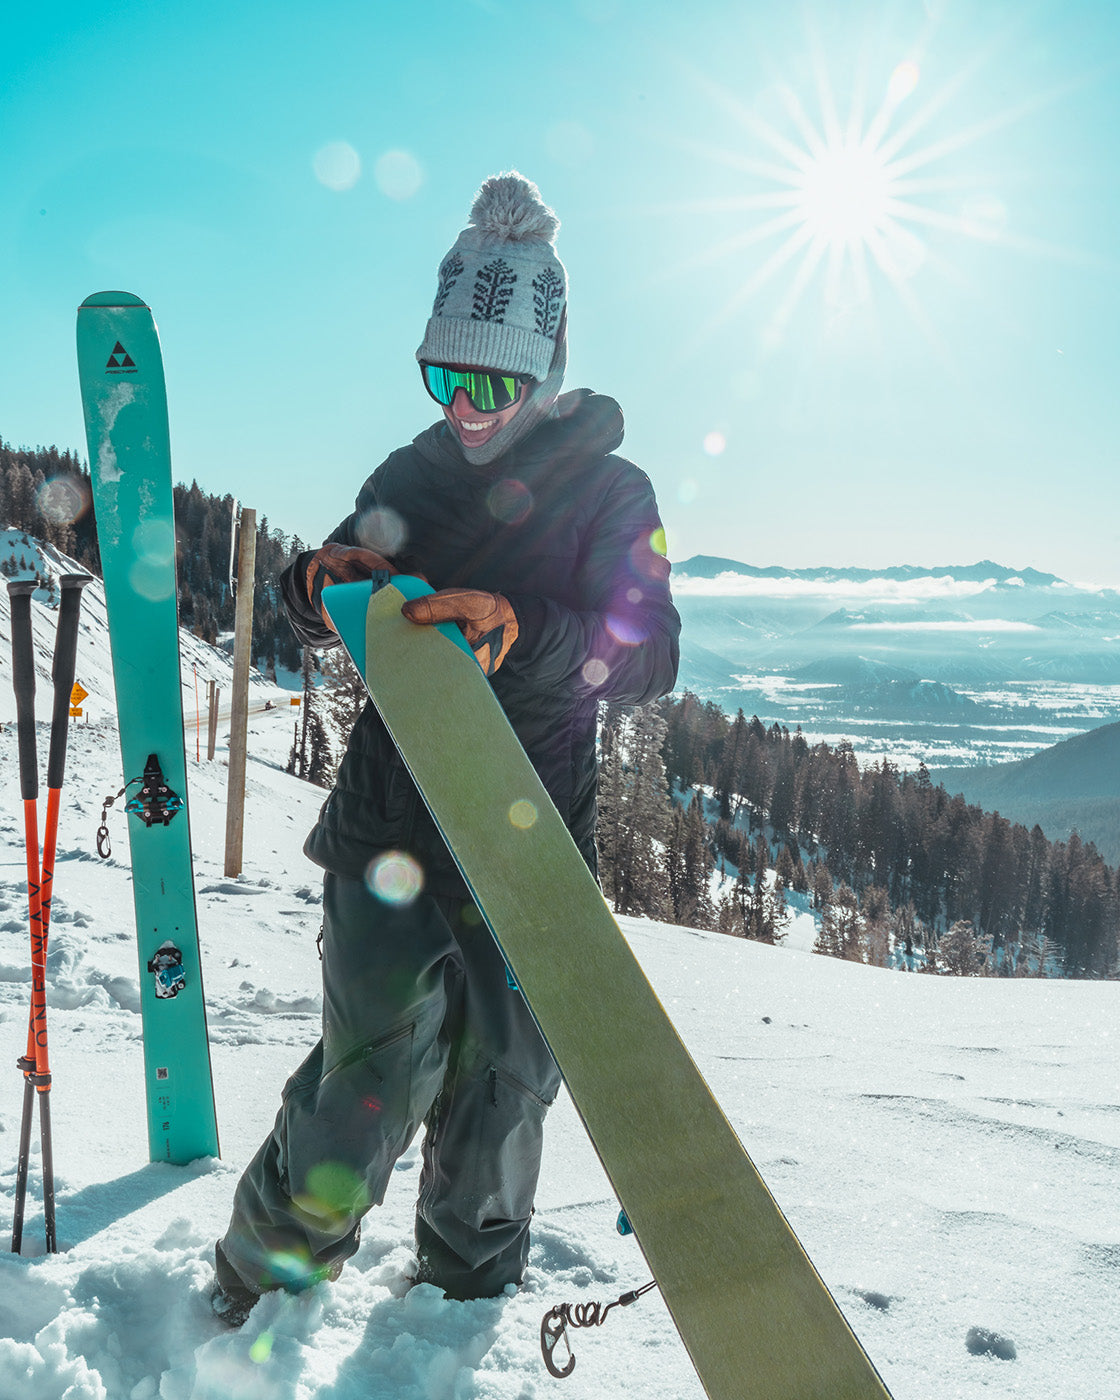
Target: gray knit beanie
[{"x": 502, "y": 289}]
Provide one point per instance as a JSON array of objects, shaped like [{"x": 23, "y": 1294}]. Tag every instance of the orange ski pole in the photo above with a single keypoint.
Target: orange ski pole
[{"x": 40, "y": 878}]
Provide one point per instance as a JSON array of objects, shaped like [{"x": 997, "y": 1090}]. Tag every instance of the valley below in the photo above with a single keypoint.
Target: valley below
[{"x": 979, "y": 672}]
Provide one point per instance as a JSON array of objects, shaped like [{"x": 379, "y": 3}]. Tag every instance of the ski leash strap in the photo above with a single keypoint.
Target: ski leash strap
[{"x": 555, "y": 1323}]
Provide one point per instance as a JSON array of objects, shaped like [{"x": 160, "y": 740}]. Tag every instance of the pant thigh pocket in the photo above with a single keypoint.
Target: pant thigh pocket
[
  {"x": 343, "y": 1131},
  {"x": 509, "y": 1130}
]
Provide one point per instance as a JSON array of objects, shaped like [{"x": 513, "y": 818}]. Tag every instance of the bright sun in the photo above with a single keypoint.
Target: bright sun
[
  {"x": 843, "y": 195},
  {"x": 848, "y": 197}
]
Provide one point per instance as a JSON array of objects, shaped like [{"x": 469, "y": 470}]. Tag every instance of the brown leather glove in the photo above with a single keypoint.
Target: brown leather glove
[
  {"x": 340, "y": 563},
  {"x": 487, "y": 620}
]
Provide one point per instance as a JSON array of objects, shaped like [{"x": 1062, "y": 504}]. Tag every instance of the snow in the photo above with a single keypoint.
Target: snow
[{"x": 947, "y": 1150}]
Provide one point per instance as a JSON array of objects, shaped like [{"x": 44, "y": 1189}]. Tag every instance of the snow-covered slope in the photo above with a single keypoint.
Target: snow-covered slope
[{"x": 948, "y": 1150}]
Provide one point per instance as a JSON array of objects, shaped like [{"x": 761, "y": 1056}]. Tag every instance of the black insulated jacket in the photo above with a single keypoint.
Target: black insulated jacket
[{"x": 570, "y": 534}]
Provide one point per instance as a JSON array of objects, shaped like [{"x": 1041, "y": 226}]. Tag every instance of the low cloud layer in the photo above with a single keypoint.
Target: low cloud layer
[
  {"x": 964, "y": 624},
  {"x": 928, "y": 588}
]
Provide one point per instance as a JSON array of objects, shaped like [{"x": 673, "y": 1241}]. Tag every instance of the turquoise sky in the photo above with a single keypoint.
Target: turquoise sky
[{"x": 913, "y": 359}]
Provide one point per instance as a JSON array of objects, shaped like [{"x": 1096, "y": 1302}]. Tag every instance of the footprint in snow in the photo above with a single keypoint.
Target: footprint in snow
[{"x": 229, "y": 887}]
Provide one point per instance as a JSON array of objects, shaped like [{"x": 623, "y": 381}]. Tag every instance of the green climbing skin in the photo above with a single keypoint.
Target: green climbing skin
[{"x": 758, "y": 1322}]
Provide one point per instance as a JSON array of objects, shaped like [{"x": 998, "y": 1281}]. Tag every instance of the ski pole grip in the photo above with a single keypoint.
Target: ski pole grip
[
  {"x": 23, "y": 682},
  {"x": 62, "y": 672}
]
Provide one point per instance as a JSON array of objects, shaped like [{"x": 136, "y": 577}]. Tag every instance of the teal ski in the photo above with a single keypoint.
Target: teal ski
[
  {"x": 758, "y": 1322},
  {"x": 125, "y": 406}
]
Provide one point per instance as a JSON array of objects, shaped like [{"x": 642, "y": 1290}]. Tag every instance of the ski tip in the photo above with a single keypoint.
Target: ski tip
[
  {"x": 112, "y": 299},
  {"x": 409, "y": 586}
]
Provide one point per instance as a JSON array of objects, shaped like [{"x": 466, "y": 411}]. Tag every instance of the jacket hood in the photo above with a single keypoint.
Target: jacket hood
[{"x": 584, "y": 423}]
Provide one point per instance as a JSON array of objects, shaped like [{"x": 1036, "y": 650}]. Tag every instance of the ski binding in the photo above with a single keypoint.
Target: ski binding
[{"x": 167, "y": 966}]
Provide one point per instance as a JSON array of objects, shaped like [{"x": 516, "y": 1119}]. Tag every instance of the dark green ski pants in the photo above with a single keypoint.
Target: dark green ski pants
[{"x": 419, "y": 1025}]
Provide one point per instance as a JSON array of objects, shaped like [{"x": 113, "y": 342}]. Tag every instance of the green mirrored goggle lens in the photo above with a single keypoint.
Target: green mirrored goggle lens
[{"x": 488, "y": 392}]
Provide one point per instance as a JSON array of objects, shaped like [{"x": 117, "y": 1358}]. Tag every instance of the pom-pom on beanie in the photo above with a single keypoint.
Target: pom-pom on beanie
[{"x": 502, "y": 290}]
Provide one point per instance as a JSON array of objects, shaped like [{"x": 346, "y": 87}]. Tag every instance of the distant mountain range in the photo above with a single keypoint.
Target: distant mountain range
[
  {"x": 710, "y": 567},
  {"x": 973, "y": 625},
  {"x": 1071, "y": 785}
]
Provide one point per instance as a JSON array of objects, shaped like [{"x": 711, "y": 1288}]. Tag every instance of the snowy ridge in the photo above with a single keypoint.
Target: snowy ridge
[{"x": 947, "y": 1149}]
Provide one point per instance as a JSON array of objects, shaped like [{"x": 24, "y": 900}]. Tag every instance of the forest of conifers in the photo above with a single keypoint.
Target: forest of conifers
[{"x": 912, "y": 855}]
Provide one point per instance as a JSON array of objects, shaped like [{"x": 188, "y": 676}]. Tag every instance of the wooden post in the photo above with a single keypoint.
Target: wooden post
[
  {"x": 212, "y": 720},
  {"x": 239, "y": 702}
]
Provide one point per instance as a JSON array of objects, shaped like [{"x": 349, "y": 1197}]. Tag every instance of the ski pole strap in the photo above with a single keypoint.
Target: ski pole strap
[{"x": 555, "y": 1323}]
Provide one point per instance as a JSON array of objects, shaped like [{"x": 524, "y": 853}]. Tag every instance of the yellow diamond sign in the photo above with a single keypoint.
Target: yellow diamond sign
[{"x": 78, "y": 694}]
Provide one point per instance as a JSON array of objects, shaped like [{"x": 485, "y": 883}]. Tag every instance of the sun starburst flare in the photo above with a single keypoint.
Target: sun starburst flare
[{"x": 851, "y": 201}]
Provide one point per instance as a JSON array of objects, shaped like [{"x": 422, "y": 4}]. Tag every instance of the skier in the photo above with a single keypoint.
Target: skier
[{"x": 547, "y": 550}]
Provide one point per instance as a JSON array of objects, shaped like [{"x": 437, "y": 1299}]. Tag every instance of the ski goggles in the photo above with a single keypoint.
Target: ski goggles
[{"x": 488, "y": 390}]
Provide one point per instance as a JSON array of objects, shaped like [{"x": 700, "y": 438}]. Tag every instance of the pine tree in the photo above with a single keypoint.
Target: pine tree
[
  {"x": 21, "y": 496},
  {"x": 820, "y": 883},
  {"x": 612, "y": 778},
  {"x": 786, "y": 869},
  {"x": 729, "y": 775},
  {"x": 762, "y": 909},
  {"x": 904, "y": 928},
  {"x": 963, "y": 951},
  {"x": 688, "y": 864},
  {"x": 311, "y": 757},
  {"x": 783, "y": 795},
  {"x": 875, "y": 910},
  {"x": 840, "y": 934},
  {"x": 729, "y": 916},
  {"x": 345, "y": 692},
  {"x": 321, "y": 763},
  {"x": 635, "y": 813}
]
